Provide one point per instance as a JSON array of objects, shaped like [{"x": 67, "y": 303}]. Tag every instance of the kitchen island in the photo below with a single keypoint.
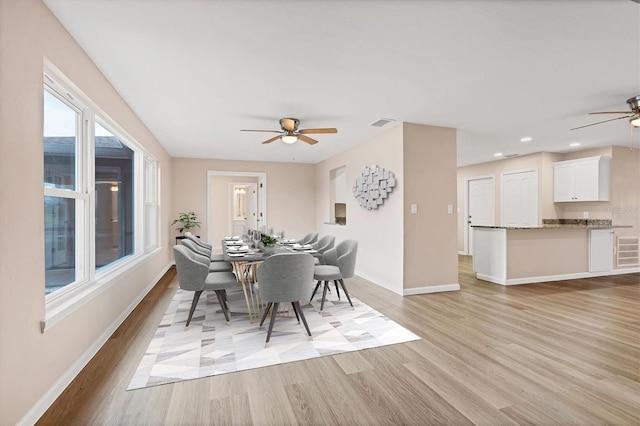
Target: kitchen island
[{"x": 553, "y": 252}]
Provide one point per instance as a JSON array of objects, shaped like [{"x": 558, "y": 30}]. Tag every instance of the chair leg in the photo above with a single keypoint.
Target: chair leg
[
  {"x": 346, "y": 292},
  {"x": 295, "y": 312},
  {"x": 221, "y": 300},
  {"x": 266, "y": 311},
  {"x": 274, "y": 312},
  {"x": 324, "y": 295},
  {"x": 337, "y": 289},
  {"x": 298, "y": 310},
  {"x": 314, "y": 291},
  {"x": 196, "y": 297}
]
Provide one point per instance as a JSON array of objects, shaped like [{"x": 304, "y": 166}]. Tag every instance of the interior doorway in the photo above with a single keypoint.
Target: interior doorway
[
  {"x": 479, "y": 207},
  {"x": 243, "y": 207},
  {"x": 220, "y": 202}
]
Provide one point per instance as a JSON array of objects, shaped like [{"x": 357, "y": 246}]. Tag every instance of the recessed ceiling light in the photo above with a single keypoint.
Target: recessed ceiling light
[
  {"x": 526, "y": 139},
  {"x": 574, "y": 144},
  {"x": 497, "y": 154}
]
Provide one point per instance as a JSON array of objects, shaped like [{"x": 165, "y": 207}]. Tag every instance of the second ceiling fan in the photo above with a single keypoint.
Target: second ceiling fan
[{"x": 290, "y": 132}]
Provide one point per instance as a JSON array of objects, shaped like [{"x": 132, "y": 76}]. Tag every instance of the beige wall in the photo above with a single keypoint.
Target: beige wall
[
  {"x": 398, "y": 250},
  {"x": 31, "y": 362},
  {"x": 430, "y": 236},
  {"x": 540, "y": 161},
  {"x": 379, "y": 232},
  {"x": 290, "y": 191},
  {"x": 623, "y": 207}
]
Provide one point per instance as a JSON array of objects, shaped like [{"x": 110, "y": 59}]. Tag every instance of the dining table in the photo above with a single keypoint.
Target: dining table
[{"x": 246, "y": 258}]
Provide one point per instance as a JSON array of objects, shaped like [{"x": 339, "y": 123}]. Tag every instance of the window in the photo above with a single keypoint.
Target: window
[{"x": 100, "y": 192}]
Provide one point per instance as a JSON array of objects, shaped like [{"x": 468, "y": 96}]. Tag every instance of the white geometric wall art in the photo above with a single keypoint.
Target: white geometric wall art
[{"x": 372, "y": 186}]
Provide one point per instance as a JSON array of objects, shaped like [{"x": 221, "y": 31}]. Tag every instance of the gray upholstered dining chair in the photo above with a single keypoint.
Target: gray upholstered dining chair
[
  {"x": 213, "y": 265},
  {"x": 310, "y": 238},
  {"x": 339, "y": 263},
  {"x": 285, "y": 278},
  {"x": 194, "y": 275},
  {"x": 322, "y": 245},
  {"x": 207, "y": 246}
]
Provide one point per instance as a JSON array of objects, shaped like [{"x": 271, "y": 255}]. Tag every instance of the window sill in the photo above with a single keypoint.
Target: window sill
[{"x": 58, "y": 309}]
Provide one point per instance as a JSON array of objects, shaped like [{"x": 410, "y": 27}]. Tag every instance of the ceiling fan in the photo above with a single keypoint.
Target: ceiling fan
[
  {"x": 633, "y": 115},
  {"x": 290, "y": 133}
]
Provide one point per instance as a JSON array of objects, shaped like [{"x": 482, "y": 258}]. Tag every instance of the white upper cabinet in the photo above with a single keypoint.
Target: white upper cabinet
[{"x": 584, "y": 179}]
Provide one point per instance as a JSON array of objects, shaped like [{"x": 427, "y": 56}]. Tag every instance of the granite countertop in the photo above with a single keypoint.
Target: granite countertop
[{"x": 565, "y": 224}]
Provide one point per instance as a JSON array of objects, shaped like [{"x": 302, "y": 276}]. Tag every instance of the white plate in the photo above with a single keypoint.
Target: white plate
[
  {"x": 236, "y": 254},
  {"x": 234, "y": 243}
]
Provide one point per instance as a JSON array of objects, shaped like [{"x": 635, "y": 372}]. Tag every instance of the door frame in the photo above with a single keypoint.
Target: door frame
[
  {"x": 465, "y": 219},
  {"x": 262, "y": 198},
  {"x": 513, "y": 172}
]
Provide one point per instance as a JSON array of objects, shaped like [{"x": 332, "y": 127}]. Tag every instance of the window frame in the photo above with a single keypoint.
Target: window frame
[{"x": 93, "y": 282}]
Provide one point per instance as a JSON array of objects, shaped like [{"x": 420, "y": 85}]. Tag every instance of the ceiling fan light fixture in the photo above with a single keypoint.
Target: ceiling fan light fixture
[
  {"x": 289, "y": 139},
  {"x": 635, "y": 122}
]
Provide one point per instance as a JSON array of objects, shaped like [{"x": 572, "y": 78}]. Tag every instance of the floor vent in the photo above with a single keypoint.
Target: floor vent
[{"x": 628, "y": 251}]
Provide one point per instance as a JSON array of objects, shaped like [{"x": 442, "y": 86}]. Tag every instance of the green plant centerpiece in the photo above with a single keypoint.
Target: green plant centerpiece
[
  {"x": 186, "y": 222},
  {"x": 268, "y": 242}
]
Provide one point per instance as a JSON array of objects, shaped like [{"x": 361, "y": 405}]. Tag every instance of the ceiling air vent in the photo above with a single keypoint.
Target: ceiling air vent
[{"x": 382, "y": 122}]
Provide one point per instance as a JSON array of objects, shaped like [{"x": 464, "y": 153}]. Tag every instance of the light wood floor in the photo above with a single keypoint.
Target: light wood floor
[{"x": 553, "y": 353}]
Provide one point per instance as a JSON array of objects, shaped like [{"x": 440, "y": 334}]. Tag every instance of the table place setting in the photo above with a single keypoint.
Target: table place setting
[
  {"x": 289, "y": 242},
  {"x": 233, "y": 243}
]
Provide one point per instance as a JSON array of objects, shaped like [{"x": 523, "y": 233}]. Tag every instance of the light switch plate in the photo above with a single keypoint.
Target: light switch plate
[
  {"x": 450, "y": 208},
  {"x": 414, "y": 209}
]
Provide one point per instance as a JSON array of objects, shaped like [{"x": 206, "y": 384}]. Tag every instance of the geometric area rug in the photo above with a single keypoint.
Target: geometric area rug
[{"x": 209, "y": 346}]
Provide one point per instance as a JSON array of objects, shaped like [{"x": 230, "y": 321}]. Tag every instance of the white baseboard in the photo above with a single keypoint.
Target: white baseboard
[
  {"x": 431, "y": 289},
  {"x": 396, "y": 291},
  {"x": 61, "y": 384},
  {"x": 550, "y": 278}
]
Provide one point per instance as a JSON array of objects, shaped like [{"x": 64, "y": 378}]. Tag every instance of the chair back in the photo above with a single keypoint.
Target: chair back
[
  {"x": 192, "y": 272},
  {"x": 346, "y": 253},
  {"x": 197, "y": 240},
  {"x": 310, "y": 238},
  {"x": 286, "y": 277},
  {"x": 196, "y": 248},
  {"x": 325, "y": 243}
]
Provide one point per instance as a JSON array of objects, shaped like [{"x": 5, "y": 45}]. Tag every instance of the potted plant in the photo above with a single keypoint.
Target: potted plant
[
  {"x": 186, "y": 221},
  {"x": 268, "y": 242}
]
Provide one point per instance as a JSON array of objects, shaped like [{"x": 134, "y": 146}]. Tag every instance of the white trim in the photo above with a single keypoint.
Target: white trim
[
  {"x": 39, "y": 408},
  {"x": 431, "y": 289},
  {"x": 462, "y": 252},
  {"x": 549, "y": 278},
  {"x": 55, "y": 312},
  {"x": 465, "y": 219},
  {"x": 262, "y": 196},
  {"x": 392, "y": 289}
]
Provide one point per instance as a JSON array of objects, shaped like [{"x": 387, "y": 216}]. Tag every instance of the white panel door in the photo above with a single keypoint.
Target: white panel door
[
  {"x": 520, "y": 199},
  {"x": 252, "y": 207},
  {"x": 480, "y": 202}
]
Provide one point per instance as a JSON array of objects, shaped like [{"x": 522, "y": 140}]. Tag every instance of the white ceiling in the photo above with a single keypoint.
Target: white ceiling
[{"x": 196, "y": 72}]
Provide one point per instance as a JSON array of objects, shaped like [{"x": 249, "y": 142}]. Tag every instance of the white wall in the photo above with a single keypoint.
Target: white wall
[{"x": 379, "y": 232}]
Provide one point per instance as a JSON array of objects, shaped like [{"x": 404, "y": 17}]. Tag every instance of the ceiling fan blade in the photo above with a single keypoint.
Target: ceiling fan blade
[
  {"x": 600, "y": 122},
  {"x": 307, "y": 139},
  {"x": 266, "y": 131},
  {"x": 612, "y": 112},
  {"x": 312, "y": 131},
  {"x": 271, "y": 140}
]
